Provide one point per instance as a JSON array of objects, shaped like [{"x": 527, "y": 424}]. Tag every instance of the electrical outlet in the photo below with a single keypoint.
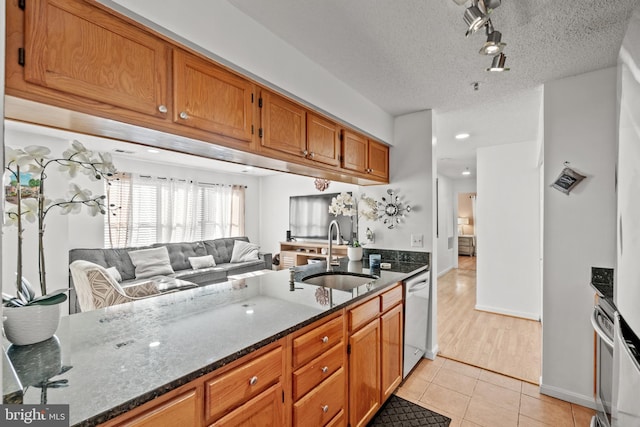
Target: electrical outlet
[{"x": 416, "y": 240}]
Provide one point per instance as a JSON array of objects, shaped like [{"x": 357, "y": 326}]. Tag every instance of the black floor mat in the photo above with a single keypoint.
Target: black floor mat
[{"x": 398, "y": 412}]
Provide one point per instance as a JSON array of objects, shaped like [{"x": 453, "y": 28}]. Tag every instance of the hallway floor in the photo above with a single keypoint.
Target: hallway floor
[
  {"x": 474, "y": 397},
  {"x": 503, "y": 344}
]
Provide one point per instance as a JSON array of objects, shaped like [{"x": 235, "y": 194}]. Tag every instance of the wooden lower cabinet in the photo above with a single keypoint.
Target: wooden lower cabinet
[
  {"x": 364, "y": 374},
  {"x": 391, "y": 350},
  {"x": 322, "y": 404},
  {"x": 264, "y": 410}
]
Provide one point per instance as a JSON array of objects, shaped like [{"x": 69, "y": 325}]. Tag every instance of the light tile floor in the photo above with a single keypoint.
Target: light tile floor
[{"x": 474, "y": 397}]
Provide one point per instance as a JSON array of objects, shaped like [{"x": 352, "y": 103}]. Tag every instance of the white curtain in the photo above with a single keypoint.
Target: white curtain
[{"x": 161, "y": 210}]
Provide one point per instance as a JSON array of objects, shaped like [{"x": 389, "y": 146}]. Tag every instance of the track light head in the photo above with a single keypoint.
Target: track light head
[{"x": 497, "y": 64}]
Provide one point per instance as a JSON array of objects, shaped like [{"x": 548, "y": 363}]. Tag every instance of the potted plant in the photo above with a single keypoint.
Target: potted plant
[
  {"x": 344, "y": 204},
  {"x": 30, "y": 318},
  {"x": 354, "y": 250}
]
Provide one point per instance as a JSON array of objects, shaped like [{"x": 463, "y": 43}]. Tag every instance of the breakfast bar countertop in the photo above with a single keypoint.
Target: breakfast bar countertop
[{"x": 108, "y": 361}]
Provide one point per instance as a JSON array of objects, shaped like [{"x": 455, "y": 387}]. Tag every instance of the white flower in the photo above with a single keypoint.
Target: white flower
[
  {"x": 343, "y": 204},
  {"x": 77, "y": 193},
  {"x": 30, "y": 209},
  {"x": 37, "y": 151}
]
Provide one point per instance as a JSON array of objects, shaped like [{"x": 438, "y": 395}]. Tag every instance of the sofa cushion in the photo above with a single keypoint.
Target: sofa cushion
[
  {"x": 199, "y": 262},
  {"x": 179, "y": 253},
  {"x": 151, "y": 262},
  {"x": 114, "y": 274},
  {"x": 221, "y": 249},
  {"x": 204, "y": 276},
  {"x": 244, "y": 251},
  {"x": 117, "y": 257},
  {"x": 242, "y": 267}
]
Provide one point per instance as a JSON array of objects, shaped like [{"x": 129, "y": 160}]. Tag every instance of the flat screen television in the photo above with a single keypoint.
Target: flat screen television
[{"x": 309, "y": 217}]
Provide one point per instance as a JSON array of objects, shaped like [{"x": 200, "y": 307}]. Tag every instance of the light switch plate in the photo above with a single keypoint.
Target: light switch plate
[{"x": 416, "y": 240}]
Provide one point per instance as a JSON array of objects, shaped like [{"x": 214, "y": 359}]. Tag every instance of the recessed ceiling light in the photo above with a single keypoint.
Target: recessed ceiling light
[
  {"x": 466, "y": 172},
  {"x": 152, "y": 151},
  {"x": 462, "y": 136}
]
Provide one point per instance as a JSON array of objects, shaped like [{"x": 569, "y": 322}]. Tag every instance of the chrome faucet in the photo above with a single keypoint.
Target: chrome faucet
[{"x": 330, "y": 261}]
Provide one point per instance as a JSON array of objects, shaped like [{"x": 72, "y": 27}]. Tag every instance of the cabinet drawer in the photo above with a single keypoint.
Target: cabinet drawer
[
  {"x": 314, "y": 372},
  {"x": 319, "y": 406},
  {"x": 183, "y": 410},
  {"x": 235, "y": 387},
  {"x": 316, "y": 341},
  {"x": 391, "y": 298},
  {"x": 363, "y": 313},
  {"x": 338, "y": 421}
]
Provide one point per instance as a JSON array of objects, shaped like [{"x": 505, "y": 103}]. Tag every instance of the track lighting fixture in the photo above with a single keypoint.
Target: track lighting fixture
[
  {"x": 493, "y": 45},
  {"x": 497, "y": 64},
  {"x": 474, "y": 18}
]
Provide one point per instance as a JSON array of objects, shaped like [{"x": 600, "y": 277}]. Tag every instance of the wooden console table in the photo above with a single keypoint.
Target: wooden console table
[{"x": 299, "y": 253}]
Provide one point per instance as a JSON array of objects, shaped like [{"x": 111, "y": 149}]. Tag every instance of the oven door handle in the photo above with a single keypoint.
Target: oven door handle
[{"x": 596, "y": 326}]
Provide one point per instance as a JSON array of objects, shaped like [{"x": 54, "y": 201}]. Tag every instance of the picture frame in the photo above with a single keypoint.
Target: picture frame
[
  {"x": 29, "y": 187},
  {"x": 567, "y": 180}
]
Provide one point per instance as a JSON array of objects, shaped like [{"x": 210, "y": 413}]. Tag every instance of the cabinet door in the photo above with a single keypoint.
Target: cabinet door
[
  {"x": 323, "y": 140},
  {"x": 391, "y": 339},
  {"x": 211, "y": 98},
  {"x": 354, "y": 151},
  {"x": 378, "y": 160},
  {"x": 284, "y": 125},
  {"x": 364, "y": 374},
  {"x": 184, "y": 410},
  {"x": 76, "y": 48},
  {"x": 264, "y": 410}
]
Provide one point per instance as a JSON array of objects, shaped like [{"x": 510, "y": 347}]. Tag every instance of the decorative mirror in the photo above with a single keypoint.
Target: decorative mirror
[{"x": 390, "y": 209}]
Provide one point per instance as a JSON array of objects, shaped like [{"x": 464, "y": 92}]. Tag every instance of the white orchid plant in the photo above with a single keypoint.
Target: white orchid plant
[
  {"x": 35, "y": 161},
  {"x": 345, "y": 204}
]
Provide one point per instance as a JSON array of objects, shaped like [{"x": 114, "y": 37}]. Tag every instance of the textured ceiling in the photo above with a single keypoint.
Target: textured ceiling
[{"x": 411, "y": 55}]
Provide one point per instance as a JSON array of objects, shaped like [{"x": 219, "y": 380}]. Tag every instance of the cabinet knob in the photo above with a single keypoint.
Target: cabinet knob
[
  {"x": 253, "y": 381},
  {"x": 184, "y": 115},
  {"x": 312, "y": 154},
  {"x": 305, "y": 152},
  {"x": 325, "y": 408},
  {"x": 325, "y": 369},
  {"x": 162, "y": 109},
  {"x": 325, "y": 339}
]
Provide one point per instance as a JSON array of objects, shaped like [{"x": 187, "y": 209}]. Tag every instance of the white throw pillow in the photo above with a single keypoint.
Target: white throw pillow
[
  {"x": 244, "y": 251},
  {"x": 114, "y": 274},
  {"x": 151, "y": 262},
  {"x": 198, "y": 262}
]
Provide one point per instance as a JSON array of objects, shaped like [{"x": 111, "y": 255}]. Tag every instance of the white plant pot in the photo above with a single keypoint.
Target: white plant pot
[
  {"x": 354, "y": 254},
  {"x": 30, "y": 324}
]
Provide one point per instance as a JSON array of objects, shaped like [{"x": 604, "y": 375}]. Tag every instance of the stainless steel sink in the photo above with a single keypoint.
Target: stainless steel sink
[{"x": 341, "y": 281}]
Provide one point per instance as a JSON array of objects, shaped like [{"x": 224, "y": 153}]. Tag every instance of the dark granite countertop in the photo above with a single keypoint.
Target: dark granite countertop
[
  {"x": 108, "y": 361},
  {"x": 602, "y": 282}
]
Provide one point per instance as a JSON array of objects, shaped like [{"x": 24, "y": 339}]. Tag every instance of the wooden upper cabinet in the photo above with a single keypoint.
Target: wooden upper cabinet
[
  {"x": 365, "y": 156},
  {"x": 354, "y": 151},
  {"x": 76, "y": 48},
  {"x": 210, "y": 98},
  {"x": 378, "y": 160},
  {"x": 323, "y": 140},
  {"x": 283, "y": 125}
]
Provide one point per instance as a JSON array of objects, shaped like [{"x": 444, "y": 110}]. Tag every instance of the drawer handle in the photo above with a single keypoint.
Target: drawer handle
[
  {"x": 184, "y": 115},
  {"x": 325, "y": 408},
  {"x": 325, "y": 369},
  {"x": 253, "y": 381},
  {"x": 325, "y": 339}
]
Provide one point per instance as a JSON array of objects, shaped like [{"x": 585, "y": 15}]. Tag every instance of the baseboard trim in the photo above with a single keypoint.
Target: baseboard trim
[
  {"x": 524, "y": 315},
  {"x": 569, "y": 396},
  {"x": 431, "y": 354},
  {"x": 442, "y": 273}
]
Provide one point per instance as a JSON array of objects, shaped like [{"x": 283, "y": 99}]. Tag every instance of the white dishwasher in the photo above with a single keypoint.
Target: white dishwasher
[{"x": 416, "y": 319}]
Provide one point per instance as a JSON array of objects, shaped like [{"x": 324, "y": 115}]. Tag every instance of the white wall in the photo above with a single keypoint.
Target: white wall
[
  {"x": 64, "y": 232},
  {"x": 446, "y": 226},
  {"x": 508, "y": 230},
  {"x": 220, "y": 30},
  {"x": 579, "y": 229}
]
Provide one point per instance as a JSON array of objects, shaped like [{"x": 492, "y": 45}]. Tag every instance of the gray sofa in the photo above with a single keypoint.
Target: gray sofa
[{"x": 179, "y": 254}]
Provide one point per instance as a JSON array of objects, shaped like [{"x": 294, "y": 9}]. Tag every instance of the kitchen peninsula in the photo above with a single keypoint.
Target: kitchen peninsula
[{"x": 121, "y": 358}]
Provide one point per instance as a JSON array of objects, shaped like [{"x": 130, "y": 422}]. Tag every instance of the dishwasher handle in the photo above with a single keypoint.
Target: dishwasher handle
[
  {"x": 415, "y": 287},
  {"x": 604, "y": 336}
]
